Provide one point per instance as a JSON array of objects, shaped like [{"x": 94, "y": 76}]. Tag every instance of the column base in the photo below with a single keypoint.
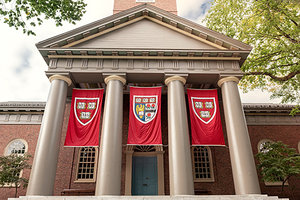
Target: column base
[{"x": 177, "y": 197}]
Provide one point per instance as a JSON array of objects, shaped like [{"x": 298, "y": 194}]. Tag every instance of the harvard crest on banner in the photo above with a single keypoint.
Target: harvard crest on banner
[
  {"x": 86, "y": 109},
  {"x": 204, "y": 108},
  {"x": 145, "y": 108},
  {"x": 84, "y": 121},
  {"x": 144, "y": 116},
  {"x": 205, "y": 117}
]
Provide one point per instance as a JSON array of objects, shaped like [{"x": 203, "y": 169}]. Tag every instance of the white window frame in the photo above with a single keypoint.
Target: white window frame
[
  {"x": 95, "y": 167},
  {"x": 211, "y": 179},
  {"x": 6, "y": 153}
]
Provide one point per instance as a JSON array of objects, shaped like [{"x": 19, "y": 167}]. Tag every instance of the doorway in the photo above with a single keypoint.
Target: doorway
[
  {"x": 144, "y": 175},
  {"x": 144, "y": 170}
]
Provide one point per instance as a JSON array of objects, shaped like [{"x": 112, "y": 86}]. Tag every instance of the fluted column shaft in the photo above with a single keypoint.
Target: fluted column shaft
[
  {"x": 42, "y": 177},
  {"x": 241, "y": 156},
  {"x": 180, "y": 162},
  {"x": 110, "y": 157}
]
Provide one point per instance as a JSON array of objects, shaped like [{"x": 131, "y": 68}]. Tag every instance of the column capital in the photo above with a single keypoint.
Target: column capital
[
  {"x": 226, "y": 79},
  {"x": 175, "y": 78},
  {"x": 60, "y": 77},
  {"x": 115, "y": 77}
]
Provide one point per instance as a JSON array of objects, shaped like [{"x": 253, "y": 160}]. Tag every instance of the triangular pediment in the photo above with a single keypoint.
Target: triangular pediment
[
  {"x": 143, "y": 30},
  {"x": 144, "y": 34}
]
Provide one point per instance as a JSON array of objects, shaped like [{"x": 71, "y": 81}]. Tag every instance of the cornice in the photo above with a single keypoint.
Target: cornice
[
  {"x": 267, "y": 108},
  {"x": 22, "y": 106}
]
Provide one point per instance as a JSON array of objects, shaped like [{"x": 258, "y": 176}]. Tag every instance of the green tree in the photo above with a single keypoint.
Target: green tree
[
  {"x": 272, "y": 28},
  {"x": 10, "y": 169},
  {"x": 26, "y": 14},
  {"x": 278, "y": 162}
]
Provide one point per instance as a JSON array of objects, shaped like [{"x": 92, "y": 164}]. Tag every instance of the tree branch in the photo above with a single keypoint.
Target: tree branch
[
  {"x": 287, "y": 35},
  {"x": 277, "y": 78}
]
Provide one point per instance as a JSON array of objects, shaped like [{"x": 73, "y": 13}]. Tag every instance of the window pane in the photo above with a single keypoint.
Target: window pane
[
  {"x": 201, "y": 163},
  {"x": 86, "y": 163}
]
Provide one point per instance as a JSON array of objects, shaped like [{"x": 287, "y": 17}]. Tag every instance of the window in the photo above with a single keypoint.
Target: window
[
  {"x": 262, "y": 148},
  {"x": 202, "y": 164},
  {"x": 87, "y": 164},
  {"x": 17, "y": 146},
  {"x": 261, "y": 145}
]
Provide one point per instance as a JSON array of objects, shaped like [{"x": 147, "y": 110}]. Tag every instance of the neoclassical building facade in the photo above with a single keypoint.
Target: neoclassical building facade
[{"x": 145, "y": 45}]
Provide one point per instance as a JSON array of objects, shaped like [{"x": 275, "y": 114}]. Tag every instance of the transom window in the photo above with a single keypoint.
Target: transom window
[
  {"x": 87, "y": 164},
  {"x": 202, "y": 164}
]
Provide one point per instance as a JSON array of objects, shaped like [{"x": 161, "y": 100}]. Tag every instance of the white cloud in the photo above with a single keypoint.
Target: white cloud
[{"x": 31, "y": 84}]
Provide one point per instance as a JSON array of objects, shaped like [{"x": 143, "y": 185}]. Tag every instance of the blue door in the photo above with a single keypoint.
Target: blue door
[{"x": 144, "y": 175}]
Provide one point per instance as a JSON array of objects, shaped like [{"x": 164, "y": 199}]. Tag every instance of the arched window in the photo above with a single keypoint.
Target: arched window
[
  {"x": 261, "y": 145},
  {"x": 262, "y": 148},
  {"x": 17, "y": 147},
  {"x": 202, "y": 164},
  {"x": 87, "y": 164}
]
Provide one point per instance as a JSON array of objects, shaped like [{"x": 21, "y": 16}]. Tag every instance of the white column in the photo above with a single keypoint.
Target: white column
[
  {"x": 241, "y": 156},
  {"x": 180, "y": 162},
  {"x": 42, "y": 176},
  {"x": 110, "y": 157}
]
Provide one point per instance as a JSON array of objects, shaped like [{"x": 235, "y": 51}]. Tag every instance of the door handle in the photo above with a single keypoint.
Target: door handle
[{"x": 145, "y": 184}]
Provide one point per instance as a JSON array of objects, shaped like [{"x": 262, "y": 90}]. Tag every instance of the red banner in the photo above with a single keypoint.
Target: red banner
[
  {"x": 205, "y": 117},
  {"x": 84, "y": 121},
  {"x": 144, "y": 116}
]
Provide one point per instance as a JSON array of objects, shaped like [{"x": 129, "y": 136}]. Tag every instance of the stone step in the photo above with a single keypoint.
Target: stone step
[{"x": 181, "y": 197}]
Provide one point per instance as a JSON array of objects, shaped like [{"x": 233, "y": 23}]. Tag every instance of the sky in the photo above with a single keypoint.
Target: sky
[{"x": 22, "y": 68}]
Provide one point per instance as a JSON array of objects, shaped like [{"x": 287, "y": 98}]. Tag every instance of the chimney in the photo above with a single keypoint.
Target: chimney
[{"x": 167, "y": 5}]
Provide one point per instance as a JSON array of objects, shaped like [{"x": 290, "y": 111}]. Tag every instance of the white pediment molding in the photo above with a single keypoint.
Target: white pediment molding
[
  {"x": 130, "y": 16},
  {"x": 144, "y": 34}
]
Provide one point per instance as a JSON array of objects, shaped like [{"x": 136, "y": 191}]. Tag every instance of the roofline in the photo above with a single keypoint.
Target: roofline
[{"x": 134, "y": 10}]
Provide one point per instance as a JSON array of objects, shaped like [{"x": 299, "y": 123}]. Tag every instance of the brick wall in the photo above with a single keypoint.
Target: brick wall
[
  {"x": 168, "y": 5},
  {"x": 29, "y": 133},
  {"x": 223, "y": 184}
]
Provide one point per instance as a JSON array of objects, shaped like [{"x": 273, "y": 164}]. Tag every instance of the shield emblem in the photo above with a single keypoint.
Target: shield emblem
[
  {"x": 85, "y": 109},
  {"x": 145, "y": 108},
  {"x": 204, "y": 108}
]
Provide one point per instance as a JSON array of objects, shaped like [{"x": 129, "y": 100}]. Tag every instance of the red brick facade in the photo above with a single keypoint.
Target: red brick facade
[
  {"x": 168, "y": 5},
  {"x": 223, "y": 181}
]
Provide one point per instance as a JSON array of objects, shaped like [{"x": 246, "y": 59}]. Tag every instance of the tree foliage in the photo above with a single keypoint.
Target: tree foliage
[
  {"x": 10, "y": 169},
  {"x": 278, "y": 162},
  {"x": 26, "y": 14},
  {"x": 272, "y": 28}
]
